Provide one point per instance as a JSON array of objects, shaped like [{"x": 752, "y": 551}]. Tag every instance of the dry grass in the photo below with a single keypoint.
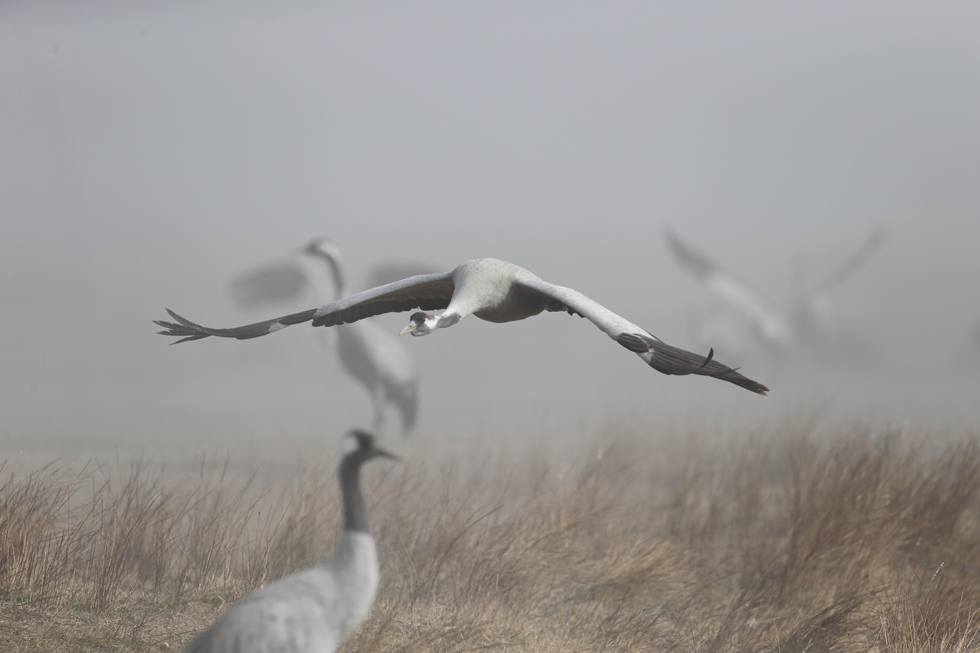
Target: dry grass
[{"x": 865, "y": 541}]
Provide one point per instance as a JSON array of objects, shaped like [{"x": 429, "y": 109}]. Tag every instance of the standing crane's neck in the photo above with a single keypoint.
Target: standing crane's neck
[
  {"x": 355, "y": 508},
  {"x": 339, "y": 281}
]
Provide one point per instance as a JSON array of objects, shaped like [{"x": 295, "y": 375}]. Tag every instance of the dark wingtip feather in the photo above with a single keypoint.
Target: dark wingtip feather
[
  {"x": 738, "y": 379},
  {"x": 673, "y": 360},
  {"x": 188, "y": 330},
  {"x": 183, "y": 320},
  {"x": 755, "y": 386},
  {"x": 183, "y": 329}
]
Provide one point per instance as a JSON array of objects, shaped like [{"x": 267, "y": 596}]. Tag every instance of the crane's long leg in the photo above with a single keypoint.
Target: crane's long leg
[{"x": 378, "y": 404}]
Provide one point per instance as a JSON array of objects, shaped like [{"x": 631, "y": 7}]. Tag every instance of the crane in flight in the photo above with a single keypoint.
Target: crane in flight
[
  {"x": 377, "y": 359},
  {"x": 773, "y": 325},
  {"x": 490, "y": 289}
]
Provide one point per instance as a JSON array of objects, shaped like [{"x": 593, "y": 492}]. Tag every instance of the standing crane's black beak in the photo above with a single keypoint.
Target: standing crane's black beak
[{"x": 378, "y": 452}]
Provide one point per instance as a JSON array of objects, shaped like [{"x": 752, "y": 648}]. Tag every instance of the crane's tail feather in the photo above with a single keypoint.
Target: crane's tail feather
[
  {"x": 673, "y": 360},
  {"x": 187, "y": 330}
]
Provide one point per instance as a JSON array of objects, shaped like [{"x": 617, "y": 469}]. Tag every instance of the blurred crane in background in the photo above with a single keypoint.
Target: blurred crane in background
[
  {"x": 377, "y": 359},
  {"x": 802, "y": 320}
]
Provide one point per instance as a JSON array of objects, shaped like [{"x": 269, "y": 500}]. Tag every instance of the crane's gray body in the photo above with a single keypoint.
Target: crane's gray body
[
  {"x": 312, "y": 611},
  {"x": 384, "y": 366},
  {"x": 486, "y": 289}
]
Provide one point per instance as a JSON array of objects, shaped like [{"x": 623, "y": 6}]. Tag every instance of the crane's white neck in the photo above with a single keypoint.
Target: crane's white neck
[{"x": 447, "y": 319}]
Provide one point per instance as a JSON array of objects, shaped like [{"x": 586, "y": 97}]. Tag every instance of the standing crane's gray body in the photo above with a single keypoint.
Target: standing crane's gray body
[
  {"x": 312, "y": 611},
  {"x": 384, "y": 367}
]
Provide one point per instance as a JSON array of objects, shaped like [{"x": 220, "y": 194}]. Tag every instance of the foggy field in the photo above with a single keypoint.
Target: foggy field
[
  {"x": 791, "y": 537},
  {"x": 820, "y": 162}
]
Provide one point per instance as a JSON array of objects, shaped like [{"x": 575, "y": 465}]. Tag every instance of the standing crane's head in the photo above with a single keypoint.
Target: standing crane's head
[
  {"x": 326, "y": 250},
  {"x": 358, "y": 447},
  {"x": 421, "y": 324},
  {"x": 322, "y": 246}
]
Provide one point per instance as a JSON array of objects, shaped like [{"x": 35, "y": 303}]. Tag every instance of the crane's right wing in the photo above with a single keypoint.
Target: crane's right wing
[
  {"x": 655, "y": 352},
  {"x": 427, "y": 292}
]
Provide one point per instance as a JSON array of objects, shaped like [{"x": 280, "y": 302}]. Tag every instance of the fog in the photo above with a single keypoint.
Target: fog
[{"x": 151, "y": 152}]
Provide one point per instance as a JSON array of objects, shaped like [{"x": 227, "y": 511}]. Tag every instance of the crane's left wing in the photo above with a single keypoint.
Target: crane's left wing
[
  {"x": 385, "y": 273},
  {"x": 655, "y": 352}
]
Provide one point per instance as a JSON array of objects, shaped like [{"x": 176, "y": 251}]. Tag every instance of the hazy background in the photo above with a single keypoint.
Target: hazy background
[{"x": 150, "y": 152}]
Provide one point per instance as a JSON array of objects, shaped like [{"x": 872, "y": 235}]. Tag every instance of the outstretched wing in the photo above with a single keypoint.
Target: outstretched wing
[
  {"x": 723, "y": 284},
  {"x": 655, "y": 352},
  {"x": 427, "y": 292},
  {"x": 851, "y": 265}
]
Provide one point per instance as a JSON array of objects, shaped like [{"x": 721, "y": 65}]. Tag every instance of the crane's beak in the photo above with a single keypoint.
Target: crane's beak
[
  {"x": 408, "y": 329},
  {"x": 378, "y": 452}
]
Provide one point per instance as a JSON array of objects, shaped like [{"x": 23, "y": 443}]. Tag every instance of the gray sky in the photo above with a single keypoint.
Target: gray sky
[{"x": 149, "y": 152}]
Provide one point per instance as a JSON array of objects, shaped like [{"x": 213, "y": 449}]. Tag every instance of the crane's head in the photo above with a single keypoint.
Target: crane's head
[
  {"x": 420, "y": 324},
  {"x": 322, "y": 246},
  {"x": 359, "y": 447}
]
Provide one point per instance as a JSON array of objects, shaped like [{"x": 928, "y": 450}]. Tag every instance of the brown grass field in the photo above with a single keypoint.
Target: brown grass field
[{"x": 862, "y": 539}]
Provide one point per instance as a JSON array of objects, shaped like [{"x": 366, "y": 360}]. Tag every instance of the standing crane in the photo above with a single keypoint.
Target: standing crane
[
  {"x": 369, "y": 353},
  {"x": 490, "y": 289},
  {"x": 314, "y": 610}
]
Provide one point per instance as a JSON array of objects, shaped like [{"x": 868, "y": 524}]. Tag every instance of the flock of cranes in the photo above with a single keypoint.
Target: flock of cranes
[{"x": 316, "y": 609}]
